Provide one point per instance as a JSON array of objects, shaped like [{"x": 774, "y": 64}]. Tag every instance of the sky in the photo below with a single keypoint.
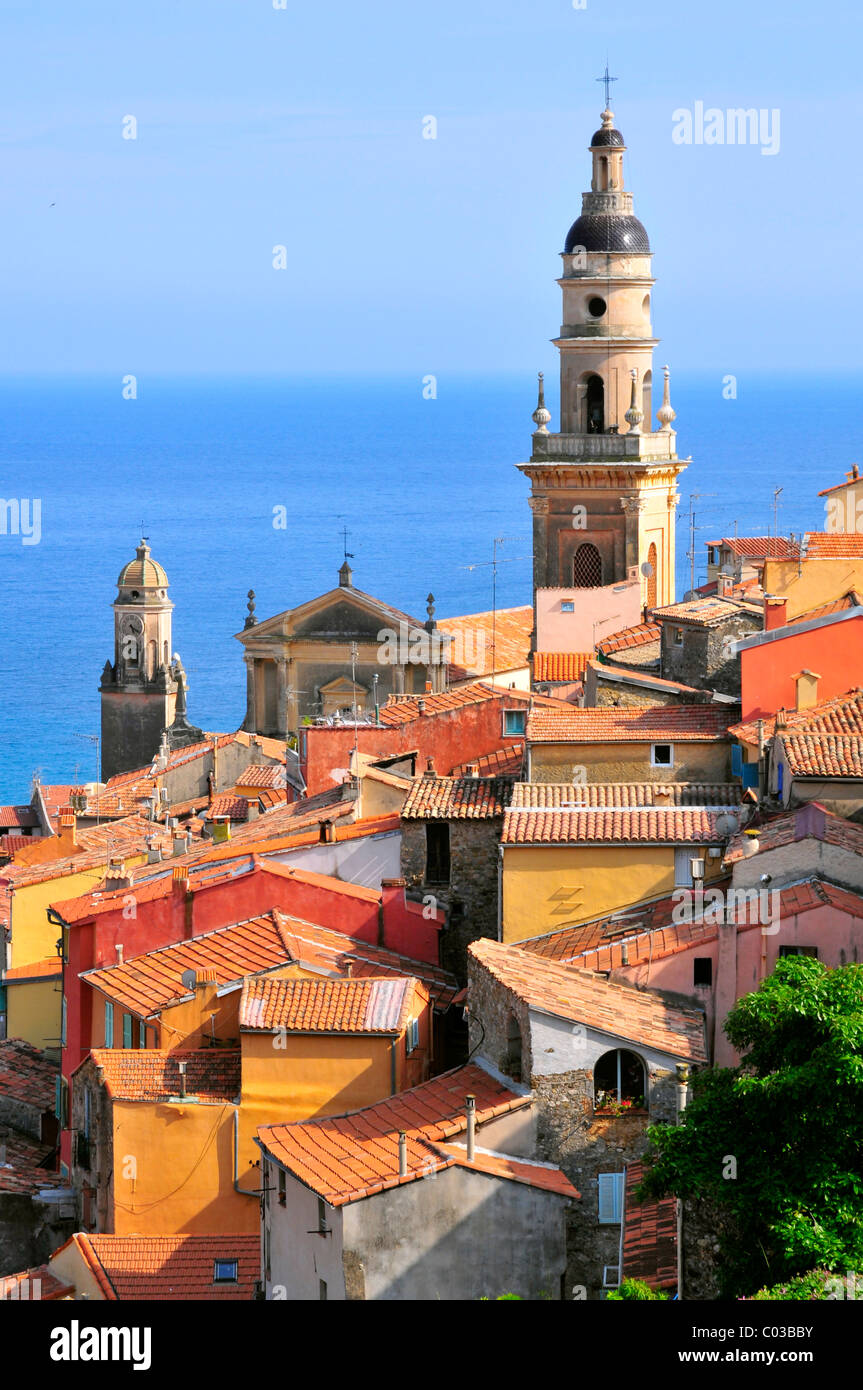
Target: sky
[{"x": 302, "y": 127}]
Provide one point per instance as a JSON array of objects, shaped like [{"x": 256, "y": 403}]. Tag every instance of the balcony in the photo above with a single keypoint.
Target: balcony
[{"x": 603, "y": 448}]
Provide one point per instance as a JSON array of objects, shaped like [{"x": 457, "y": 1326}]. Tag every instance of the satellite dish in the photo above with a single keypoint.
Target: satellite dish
[
  {"x": 727, "y": 824},
  {"x": 647, "y": 569},
  {"x": 188, "y": 979}
]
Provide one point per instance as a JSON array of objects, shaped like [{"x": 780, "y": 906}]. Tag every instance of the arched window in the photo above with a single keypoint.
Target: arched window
[
  {"x": 651, "y": 578},
  {"x": 165, "y": 654},
  {"x": 151, "y": 660},
  {"x": 595, "y": 405},
  {"x": 587, "y": 567},
  {"x": 646, "y": 400},
  {"x": 603, "y": 173},
  {"x": 512, "y": 1061},
  {"x": 619, "y": 1081}
]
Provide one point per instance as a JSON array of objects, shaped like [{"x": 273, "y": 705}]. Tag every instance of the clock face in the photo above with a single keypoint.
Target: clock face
[{"x": 133, "y": 624}]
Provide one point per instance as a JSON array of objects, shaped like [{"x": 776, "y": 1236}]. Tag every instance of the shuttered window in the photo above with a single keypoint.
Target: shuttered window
[
  {"x": 109, "y": 1024},
  {"x": 610, "y": 1199}
]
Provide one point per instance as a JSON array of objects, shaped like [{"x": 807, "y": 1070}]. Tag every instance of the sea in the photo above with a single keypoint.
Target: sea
[{"x": 266, "y": 483}]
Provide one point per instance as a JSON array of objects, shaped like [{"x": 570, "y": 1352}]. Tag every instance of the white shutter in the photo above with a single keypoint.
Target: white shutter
[
  {"x": 610, "y": 1198},
  {"x": 683, "y": 868}
]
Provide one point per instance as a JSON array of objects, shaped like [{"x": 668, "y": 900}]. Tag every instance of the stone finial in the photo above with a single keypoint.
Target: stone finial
[
  {"x": 430, "y": 610},
  {"x": 251, "y": 620},
  {"x": 541, "y": 416},
  {"x": 634, "y": 416},
  {"x": 665, "y": 415},
  {"x": 346, "y": 576}
]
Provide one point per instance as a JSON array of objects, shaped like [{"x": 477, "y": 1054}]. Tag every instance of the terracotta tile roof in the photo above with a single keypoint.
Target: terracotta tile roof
[
  {"x": 605, "y": 671},
  {"x": 810, "y": 821},
  {"x": 404, "y": 709},
  {"x": 504, "y": 762},
  {"x": 702, "y": 612},
  {"x": 366, "y": 1005},
  {"x": 560, "y": 666},
  {"x": 149, "y": 1074},
  {"x": 170, "y": 1268},
  {"x": 827, "y": 545},
  {"x": 563, "y": 991},
  {"x": 50, "y": 969},
  {"x": 54, "y": 796},
  {"x": 546, "y": 1176},
  {"x": 234, "y": 807},
  {"x": 457, "y": 798},
  {"x": 823, "y": 755},
  {"x": 624, "y": 795},
  {"x": 11, "y": 845},
  {"x": 20, "y": 817},
  {"x": 489, "y": 642},
  {"x": 347, "y": 1157},
  {"x": 38, "y": 1284},
  {"x": 638, "y": 636},
  {"x": 841, "y": 715},
  {"x": 760, "y": 547},
  {"x": 26, "y": 1074},
  {"x": 683, "y": 826},
  {"x": 262, "y": 775},
  {"x": 649, "y": 1235},
  {"x": 26, "y": 1168},
  {"x": 127, "y": 798},
  {"x": 825, "y": 610},
  {"x": 645, "y": 724}
]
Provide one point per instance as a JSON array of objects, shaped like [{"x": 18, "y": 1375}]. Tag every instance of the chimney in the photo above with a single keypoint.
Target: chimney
[
  {"x": 255, "y": 751},
  {"x": 775, "y": 612},
  {"x": 211, "y": 784},
  {"x": 181, "y": 1067},
  {"x": 119, "y": 949},
  {"x": 724, "y": 585},
  {"x": 68, "y": 829},
  {"x": 116, "y": 877},
  {"x": 806, "y": 683},
  {"x": 428, "y": 690},
  {"x": 154, "y": 851},
  {"x": 421, "y": 705},
  {"x": 253, "y": 810},
  {"x": 403, "y": 1154},
  {"x": 180, "y": 880},
  {"x": 430, "y": 772},
  {"x": 470, "y": 1108},
  {"x": 391, "y": 908},
  {"x": 472, "y": 770},
  {"x": 189, "y": 838},
  {"x": 327, "y": 834},
  {"x": 179, "y": 845}
]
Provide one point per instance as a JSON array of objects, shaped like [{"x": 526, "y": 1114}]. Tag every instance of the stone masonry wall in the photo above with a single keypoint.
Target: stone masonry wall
[{"x": 470, "y": 897}]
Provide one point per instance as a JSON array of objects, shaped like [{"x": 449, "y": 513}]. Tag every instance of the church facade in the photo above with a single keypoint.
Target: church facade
[{"x": 604, "y": 489}]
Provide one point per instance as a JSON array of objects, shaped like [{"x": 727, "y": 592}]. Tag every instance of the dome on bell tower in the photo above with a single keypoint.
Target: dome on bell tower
[{"x": 142, "y": 572}]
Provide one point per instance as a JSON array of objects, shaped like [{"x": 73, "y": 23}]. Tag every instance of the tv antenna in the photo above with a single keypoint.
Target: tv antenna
[{"x": 494, "y": 562}]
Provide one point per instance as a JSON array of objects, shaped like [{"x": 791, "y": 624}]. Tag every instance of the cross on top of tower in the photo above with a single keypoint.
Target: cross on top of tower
[{"x": 608, "y": 81}]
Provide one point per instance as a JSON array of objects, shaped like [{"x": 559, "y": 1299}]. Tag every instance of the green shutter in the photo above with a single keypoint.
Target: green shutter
[
  {"x": 127, "y": 1030},
  {"x": 109, "y": 1024}
]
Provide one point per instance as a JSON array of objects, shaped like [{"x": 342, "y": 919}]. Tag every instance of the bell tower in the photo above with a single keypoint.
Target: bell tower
[
  {"x": 139, "y": 689},
  {"x": 604, "y": 489}
]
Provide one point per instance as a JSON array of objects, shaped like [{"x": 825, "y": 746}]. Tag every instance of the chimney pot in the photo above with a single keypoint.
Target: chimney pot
[
  {"x": 470, "y": 1108},
  {"x": 119, "y": 949},
  {"x": 403, "y": 1154}
]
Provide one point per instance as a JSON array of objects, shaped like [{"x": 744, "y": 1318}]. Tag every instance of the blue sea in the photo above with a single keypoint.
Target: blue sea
[{"x": 423, "y": 486}]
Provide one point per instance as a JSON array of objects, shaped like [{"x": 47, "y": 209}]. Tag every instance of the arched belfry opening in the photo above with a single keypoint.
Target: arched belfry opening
[
  {"x": 587, "y": 567},
  {"x": 647, "y": 400},
  {"x": 595, "y": 405}
]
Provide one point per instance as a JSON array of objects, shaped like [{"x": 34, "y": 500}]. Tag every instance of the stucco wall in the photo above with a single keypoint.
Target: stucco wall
[{"x": 628, "y": 762}]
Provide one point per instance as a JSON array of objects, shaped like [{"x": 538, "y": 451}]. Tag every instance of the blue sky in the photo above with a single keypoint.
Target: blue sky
[{"x": 303, "y": 127}]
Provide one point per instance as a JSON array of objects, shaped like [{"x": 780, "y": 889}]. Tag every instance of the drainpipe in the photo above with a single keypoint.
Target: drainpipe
[
  {"x": 470, "y": 1107},
  {"x": 393, "y": 1086},
  {"x": 682, "y": 1070},
  {"x": 500, "y": 892},
  {"x": 181, "y": 1067},
  {"x": 403, "y": 1154}
]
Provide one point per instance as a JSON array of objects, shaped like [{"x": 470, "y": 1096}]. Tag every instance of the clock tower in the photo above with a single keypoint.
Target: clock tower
[
  {"x": 604, "y": 489},
  {"x": 139, "y": 690}
]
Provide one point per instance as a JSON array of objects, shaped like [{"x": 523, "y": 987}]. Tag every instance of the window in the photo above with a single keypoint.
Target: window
[
  {"x": 323, "y": 1228},
  {"x": 611, "y": 1276},
  {"x": 567, "y": 605},
  {"x": 677, "y": 636},
  {"x": 662, "y": 755},
  {"x": 322, "y": 1290},
  {"x": 109, "y": 1024},
  {"x": 596, "y": 307},
  {"x": 798, "y": 951},
  {"x": 587, "y": 567},
  {"x": 610, "y": 1199},
  {"x": 512, "y": 1060},
  {"x": 618, "y": 1081},
  {"x": 412, "y": 1036},
  {"x": 514, "y": 721},
  {"x": 283, "y": 1188},
  {"x": 437, "y": 852},
  {"x": 225, "y": 1271},
  {"x": 127, "y": 1030},
  {"x": 702, "y": 970}
]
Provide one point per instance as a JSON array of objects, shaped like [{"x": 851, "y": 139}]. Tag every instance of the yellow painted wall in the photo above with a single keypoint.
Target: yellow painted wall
[
  {"x": 183, "y": 1170},
  {"x": 548, "y": 887},
  {"x": 33, "y": 1011},
  {"x": 33, "y": 936},
  {"x": 819, "y": 581},
  {"x": 69, "y": 1264},
  {"x": 629, "y": 762}
]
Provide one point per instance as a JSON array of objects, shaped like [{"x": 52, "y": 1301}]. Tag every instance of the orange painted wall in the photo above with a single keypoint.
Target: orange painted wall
[{"x": 835, "y": 653}]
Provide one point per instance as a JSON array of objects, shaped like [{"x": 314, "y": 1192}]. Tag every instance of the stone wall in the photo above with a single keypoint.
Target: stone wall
[
  {"x": 703, "y": 659},
  {"x": 31, "y": 1230},
  {"x": 470, "y": 897}
]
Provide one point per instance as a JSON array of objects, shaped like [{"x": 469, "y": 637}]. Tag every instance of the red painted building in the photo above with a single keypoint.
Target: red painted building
[{"x": 802, "y": 663}]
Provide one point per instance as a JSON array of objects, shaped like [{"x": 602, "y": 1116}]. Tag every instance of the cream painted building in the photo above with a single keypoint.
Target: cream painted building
[{"x": 604, "y": 489}]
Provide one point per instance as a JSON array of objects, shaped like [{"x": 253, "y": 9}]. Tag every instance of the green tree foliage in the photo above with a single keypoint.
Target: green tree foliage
[
  {"x": 635, "y": 1289},
  {"x": 776, "y": 1145}
]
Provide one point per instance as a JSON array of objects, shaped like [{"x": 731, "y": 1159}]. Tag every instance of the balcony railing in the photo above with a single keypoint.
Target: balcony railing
[{"x": 587, "y": 447}]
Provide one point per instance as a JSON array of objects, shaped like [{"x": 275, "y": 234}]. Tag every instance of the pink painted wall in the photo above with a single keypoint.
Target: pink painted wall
[{"x": 605, "y": 610}]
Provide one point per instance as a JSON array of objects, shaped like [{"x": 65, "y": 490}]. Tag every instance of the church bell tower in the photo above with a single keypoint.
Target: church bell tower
[
  {"x": 604, "y": 489},
  {"x": 139, "y": 690}
]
